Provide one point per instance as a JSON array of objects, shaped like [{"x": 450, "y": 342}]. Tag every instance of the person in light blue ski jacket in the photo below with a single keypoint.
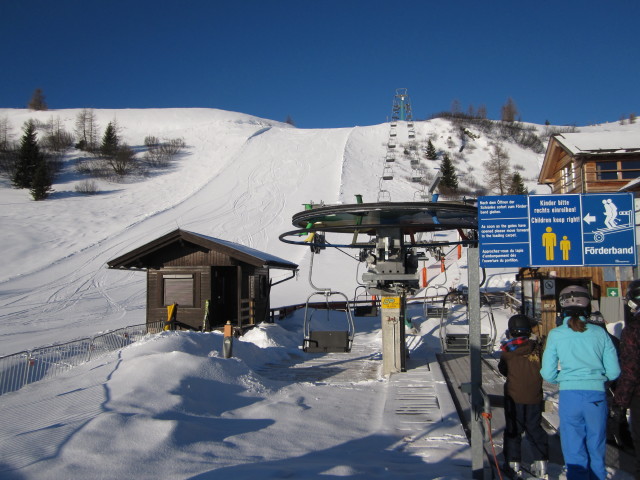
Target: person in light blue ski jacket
[{"x": 581, "y": 358}]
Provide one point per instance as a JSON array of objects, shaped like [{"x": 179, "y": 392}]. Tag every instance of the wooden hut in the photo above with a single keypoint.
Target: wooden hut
[
  {"x": 580, "y": 163},
  {"x": 190, "y": 269}
]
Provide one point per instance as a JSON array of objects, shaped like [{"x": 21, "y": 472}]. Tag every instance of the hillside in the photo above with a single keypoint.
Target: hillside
[{"x": 240, "y": 178}]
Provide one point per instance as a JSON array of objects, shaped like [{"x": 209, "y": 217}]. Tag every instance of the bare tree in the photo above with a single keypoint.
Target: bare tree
[
  {"x": 87, "y": 130},
  {"x": 122, "y": 161},
  {"x": 456, "y": 107},
  {"x": 37, "y": 101},
  {"x": 56, "y": 138},
  {"x": 7, "y": 149},
  {"x": 161, "y": 153},
  {"x": 498, "y": 170},
  {"x": 509, "y": 111}
]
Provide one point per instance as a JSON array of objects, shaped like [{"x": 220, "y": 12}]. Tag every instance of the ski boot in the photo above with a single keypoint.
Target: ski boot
[
  {"x": 513, "y": 470},
  {"x": 539, "y": 469}
]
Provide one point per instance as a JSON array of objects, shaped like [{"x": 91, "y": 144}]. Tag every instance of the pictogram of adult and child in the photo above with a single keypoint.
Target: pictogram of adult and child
[
  {"x": 612, "y": 224},
  {"x": 550, "y": 241}
]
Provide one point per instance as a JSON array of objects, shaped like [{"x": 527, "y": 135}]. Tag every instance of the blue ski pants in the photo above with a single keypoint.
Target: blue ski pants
[{"x": 583, "y": 433}]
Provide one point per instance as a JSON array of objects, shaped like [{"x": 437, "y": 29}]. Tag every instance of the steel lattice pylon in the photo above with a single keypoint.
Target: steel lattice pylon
[
  {"x": 401, "y": 109},
  {"x": 401, "y": 112}
]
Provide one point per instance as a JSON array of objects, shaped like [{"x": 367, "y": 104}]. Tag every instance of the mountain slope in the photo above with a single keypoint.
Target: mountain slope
[{"x": 240, "y": 178}]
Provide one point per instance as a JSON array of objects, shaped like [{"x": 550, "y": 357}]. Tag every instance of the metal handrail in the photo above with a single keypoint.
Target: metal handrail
[{"x": 30, "y": 366}]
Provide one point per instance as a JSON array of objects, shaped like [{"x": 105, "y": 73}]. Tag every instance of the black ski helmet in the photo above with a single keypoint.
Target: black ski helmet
[
  {"x": 632, "y": 297},
  {"x": 575, "y": 298},
  {"x": 520, "y": 326},
  {"x": 596, "y": 318}
]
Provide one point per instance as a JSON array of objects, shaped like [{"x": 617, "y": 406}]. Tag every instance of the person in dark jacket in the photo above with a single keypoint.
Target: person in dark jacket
[
  {"x": 520, "y": 363},
  {"x": 627, "y": 390}
]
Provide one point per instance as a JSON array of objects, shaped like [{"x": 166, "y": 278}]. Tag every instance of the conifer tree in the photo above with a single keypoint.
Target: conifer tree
[
  {"x": 431, "y": 151},
  {"x": 517, "y": 186},
  {"x": 449, "y": 177},
  {"x": 42, "y": 180},
  {"x": 110, "y": 141},
  {"x": 29, "y": 156}
]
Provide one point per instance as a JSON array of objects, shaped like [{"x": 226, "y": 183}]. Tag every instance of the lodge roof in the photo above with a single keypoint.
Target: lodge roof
[
  {"x": 587, "y": 145},
  {"x": 135, "y": 259}
]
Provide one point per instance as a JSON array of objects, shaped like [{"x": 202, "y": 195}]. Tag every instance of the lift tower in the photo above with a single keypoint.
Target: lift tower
[{"x": 401, "y": 109}]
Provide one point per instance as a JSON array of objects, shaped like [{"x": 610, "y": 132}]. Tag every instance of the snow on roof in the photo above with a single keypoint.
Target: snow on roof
[
  {"x": 600, "y": 142},
  {"x": 267, "y": 258},
  {"x": 133, "y": 259},
  {"x": 632, "y": 185}
]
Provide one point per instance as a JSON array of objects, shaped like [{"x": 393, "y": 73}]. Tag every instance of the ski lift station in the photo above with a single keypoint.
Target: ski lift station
[{"x": 195, "y": 271}]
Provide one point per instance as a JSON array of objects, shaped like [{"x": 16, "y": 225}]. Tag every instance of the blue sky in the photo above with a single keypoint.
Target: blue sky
[{"x": 329, "y": 63}]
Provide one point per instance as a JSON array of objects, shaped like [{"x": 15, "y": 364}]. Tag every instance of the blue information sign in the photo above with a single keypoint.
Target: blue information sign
[
  {"x": 556, "y": 230},
  {"x": 609, "y": 229},
  {"x": 556, "y": 237},
  {"x": 503, "y": 230}
]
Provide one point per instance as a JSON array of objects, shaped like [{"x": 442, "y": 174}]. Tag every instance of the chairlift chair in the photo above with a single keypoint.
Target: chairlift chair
[
  {"x": 325, "y": 341},
  {"x": 420, "y": 195},
  {"x": 456, "y": 303},
  {"x": 366, "y": 310},
  {"x": 387, "y": 173},
  {"x": 390, "y": 158},
  {"x": 384, "y": 196},
  {"x": 429, "y": 310}
]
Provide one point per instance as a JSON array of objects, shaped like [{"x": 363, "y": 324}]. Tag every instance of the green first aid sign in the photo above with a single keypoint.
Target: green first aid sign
[{"x": 613, "y": 292}]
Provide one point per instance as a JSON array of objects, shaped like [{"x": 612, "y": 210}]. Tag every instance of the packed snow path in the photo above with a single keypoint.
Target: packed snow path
[{"x": 418, "y": 408}]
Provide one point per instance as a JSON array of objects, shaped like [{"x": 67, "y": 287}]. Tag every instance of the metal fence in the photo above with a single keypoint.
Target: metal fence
[{"x": 31, "y": 366}]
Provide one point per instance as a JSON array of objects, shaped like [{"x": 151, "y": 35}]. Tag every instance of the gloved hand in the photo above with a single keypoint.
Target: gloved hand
[{"x": 617, "y": 412}]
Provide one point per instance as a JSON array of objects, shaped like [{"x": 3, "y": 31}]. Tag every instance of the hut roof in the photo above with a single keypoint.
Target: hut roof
[{"x": 135, "y": 258}]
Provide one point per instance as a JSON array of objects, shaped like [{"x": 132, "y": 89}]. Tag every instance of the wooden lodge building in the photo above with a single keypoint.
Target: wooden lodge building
[
  {"x": 582, "y": 163},
  {"x": 189, "y": 268}
]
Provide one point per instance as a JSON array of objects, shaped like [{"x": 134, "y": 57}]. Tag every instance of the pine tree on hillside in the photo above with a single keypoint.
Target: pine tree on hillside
[
  {"x": 37, "y": 101},
  {"x": 432, "y": 154},
  {"x": 42, "y": 180},
  {"x": 29, "y": 157},
  {"x": 517, "y": 186},
  {"x": 449, "y": 178},
  {"x": 110, "y": 141}
]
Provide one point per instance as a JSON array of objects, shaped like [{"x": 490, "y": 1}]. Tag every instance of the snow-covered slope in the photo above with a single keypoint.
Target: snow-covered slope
[{"x": 240, "y": 178}]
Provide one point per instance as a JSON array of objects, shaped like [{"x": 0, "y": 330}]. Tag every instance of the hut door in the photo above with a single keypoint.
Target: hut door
[{"x": 224, "y": 296}]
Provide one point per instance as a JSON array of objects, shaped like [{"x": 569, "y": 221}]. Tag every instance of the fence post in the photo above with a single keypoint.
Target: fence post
[
  {"x": 90, "y": 348},
  {"x": 227, "y": 342},
  {"x": 26, "y": 371}
]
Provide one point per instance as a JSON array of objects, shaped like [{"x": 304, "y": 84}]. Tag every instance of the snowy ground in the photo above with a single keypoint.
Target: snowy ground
[{"x": 170, "y": 406}]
